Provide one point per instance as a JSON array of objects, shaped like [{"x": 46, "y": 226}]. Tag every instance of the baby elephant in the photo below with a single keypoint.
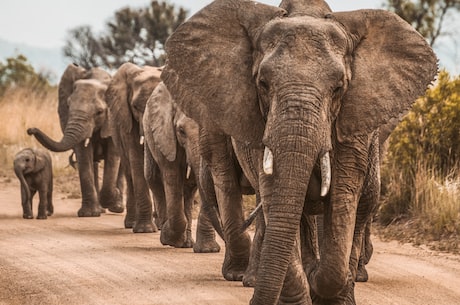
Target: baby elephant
[{"x": 33, "y": 168}]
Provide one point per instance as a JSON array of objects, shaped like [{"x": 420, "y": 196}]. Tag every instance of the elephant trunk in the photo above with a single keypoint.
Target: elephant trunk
[
  {"x": 294, "y": 157},
  {"x": 74, "y": 133},
  {"x": 19, "y": 171}
]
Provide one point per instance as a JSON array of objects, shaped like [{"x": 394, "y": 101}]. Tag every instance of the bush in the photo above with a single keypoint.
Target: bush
[{"x": 420, "y": 173}]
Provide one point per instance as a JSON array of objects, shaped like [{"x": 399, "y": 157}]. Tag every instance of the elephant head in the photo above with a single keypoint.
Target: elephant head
[
  {"x": 82, "y": 108},
  {"x": 301, "y": 81},
  {"x": 128, "y": 93}
]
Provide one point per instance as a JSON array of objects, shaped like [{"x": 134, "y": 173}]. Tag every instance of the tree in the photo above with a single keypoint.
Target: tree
[
  {"x": 17, "y": 72},
  {"x": 133, "y": 35},
  {"x": 426, "y": 16},
  {"x": 83, "y": 47}
]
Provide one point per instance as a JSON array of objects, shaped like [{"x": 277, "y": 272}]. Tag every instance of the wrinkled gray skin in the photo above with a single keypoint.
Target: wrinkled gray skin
[
  {"x": 34, "y": 169},
  {"x": 309, "y": 81},
  {"x": 126, "y": 97},
  {"x": 83, "y": 116},
  {"x": 171, "y": 161}
]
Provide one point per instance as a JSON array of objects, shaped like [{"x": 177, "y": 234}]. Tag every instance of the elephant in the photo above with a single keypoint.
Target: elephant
[
  {"x": 295, "y": 86},
  {"x": 34, "y": 169},
  {"x": 83, "y": 115},
  {"x": 171, "y": 165},
  {"x": 126, "y": 96}
]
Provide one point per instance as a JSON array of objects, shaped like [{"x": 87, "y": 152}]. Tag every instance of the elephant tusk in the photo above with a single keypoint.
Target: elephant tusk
[
  {"x": 268, "y": 161},
  {"x": 86, "y": 142},
  {"x": 325, "y": 174},
  {"x": 189, "y": 171},
  {"x": 141, "y": 141}
]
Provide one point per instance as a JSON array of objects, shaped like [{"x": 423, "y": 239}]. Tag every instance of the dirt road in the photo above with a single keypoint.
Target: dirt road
[{"x": 70, "y": 260}]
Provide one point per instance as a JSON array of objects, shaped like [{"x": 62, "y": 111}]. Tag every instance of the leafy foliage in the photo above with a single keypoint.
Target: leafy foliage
[
  {"x": 17, "y": 72},
  {"x": 423, "y": 158},
  {"x": 133, "y": 35},
  {"x": 431, "y": 129},
  {"x": 426, "y": 16}
]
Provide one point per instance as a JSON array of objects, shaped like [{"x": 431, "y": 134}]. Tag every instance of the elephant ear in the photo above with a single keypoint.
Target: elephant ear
[
  {"x": 392, "y": 66},
  {"x": 40, "y": 159},
  {"x": 118, "y": 95},
  {"x": 66, "y": 86},
  {"x": 159, "y": 121},
  {"x": 209, "y": 67}
]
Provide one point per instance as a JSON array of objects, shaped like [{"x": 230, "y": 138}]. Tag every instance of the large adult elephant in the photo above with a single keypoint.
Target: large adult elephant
[
  {"x": 289, "y": 85},
  {"x": 172, "y": 161},
  {"x": 126, "y": 96},
  {"x": 83, "y": 116}
]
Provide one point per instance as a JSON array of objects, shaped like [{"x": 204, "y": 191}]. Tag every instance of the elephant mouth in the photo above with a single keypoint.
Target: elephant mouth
[{"x": 325, "y": 166}]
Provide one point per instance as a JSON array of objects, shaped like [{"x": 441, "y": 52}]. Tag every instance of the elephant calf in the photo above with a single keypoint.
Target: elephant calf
[{"x": 33, "y": 167}]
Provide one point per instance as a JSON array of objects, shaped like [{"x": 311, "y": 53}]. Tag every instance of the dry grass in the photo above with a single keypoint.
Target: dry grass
[
  {"x": 433, "y": 216},
  {"x": 20, "y": 109}
]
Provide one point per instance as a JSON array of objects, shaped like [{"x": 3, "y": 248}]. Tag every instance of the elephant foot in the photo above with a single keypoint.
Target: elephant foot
[
  {"x": 130, "y": 221},
  {"x": 117, "y": 208},
  {"x": 233, "y": 268},
  {"x": 345, "y": 297},
  {"x": 145, "y": 227},
  {"x": 50, "y": 212},
  {"x": 42, "y": 216},
  {"x": 249, "y": 277},
  {"x": 236, "y": 257},
  {"x": 27, "y": 216},
  {"x": 89, "y": 212},
  {"x": 206, "y": 246},
  {"x": 173, "y": 238},
  {"x": 361, "y": 274}
]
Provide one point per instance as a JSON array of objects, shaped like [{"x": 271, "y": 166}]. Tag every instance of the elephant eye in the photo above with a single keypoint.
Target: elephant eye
[
  {"x": 182, "y": 131},
  {"x": 99, "y": 112},
  {"x": 27, "y": 160},
  {"x": 263, "y": 84}
]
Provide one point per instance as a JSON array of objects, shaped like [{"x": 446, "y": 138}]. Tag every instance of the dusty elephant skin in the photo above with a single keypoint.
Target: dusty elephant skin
[
  {"x": 170, "y": 165},
  {"x": 34, "y": 169},
  {"x": 126, "y": 97},
  {"x": 297, "y": 82},
  {"x": 83, "y": 116}
]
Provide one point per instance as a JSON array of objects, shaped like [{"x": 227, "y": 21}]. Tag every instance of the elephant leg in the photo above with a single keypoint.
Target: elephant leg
[
  {"x": 96, "y": 184},
  {"x": 144, "y": 206},
  {"x": 309, "y": 240},
  {"x": 189, "y": 198},
  {"x": 295, "y": 287},
  {"x": 216, "y": 150},
  {"x": 90, "y": 202},
  {"x": 111, "y": 197},
  {"x": 43, "y": 203},
  {"x": 250, "y": 276},
  {"x": 366, "y": 253},
  {"x": 205, "y": 231},
  {"x": 173, "y": 231},
  {"x": 367, "y": 207},
  {"x": 49, "y": 195},
  {"x": 153, "y": 177},
  {"x": 130, "y": 217},
  {"x": 26, "y": 203}
]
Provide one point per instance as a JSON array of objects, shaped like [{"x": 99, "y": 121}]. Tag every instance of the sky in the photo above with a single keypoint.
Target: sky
[{"x": 45, "y": 23}]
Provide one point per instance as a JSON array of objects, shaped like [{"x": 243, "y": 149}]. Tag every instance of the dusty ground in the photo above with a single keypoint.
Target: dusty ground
[{"x": 70, "y": 260}]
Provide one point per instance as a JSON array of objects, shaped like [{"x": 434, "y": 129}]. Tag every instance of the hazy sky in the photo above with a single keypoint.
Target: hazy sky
[{"x": 44, "y": 23}]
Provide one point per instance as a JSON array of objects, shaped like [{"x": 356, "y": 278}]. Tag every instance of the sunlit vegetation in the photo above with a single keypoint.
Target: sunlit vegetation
[{"x": 421, "y": 170}]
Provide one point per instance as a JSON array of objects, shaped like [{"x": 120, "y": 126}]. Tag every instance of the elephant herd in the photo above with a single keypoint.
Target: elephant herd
[{"x": 290, "y": 103}]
